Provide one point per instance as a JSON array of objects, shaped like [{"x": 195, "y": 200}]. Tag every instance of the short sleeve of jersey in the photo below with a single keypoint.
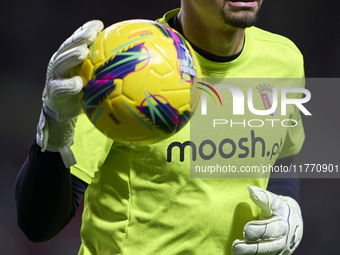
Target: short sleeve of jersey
[
  {"x": 295, "y": 135},
  {"x": 294, "y": 140},
  {"x": 90, "y": 149}
]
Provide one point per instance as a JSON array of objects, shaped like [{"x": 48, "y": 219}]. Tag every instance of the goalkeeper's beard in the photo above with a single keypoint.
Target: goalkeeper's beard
[{"x": 239, "y": 19}]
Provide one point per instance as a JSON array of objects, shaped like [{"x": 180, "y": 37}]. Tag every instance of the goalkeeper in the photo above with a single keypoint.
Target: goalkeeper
[{"x": 136, "y": 202}]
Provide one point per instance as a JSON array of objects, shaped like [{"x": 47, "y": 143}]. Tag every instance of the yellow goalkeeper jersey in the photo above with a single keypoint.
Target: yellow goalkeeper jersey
[{"x": 141, "y": 200}]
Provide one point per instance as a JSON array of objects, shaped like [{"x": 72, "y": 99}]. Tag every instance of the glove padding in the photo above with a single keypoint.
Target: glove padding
[
  {"x": 279, "y": 230},
  {"x": 61, "y": 106}
]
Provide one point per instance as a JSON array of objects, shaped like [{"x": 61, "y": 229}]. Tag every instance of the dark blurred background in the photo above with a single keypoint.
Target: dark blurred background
[{"x": 32, "y": 30}]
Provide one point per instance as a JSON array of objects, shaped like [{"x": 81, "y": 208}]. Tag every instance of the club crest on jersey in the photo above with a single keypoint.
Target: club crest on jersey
[{"x": 266, "y": 92}]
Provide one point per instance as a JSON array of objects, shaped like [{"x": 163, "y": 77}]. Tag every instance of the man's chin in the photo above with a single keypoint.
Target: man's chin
[
  {"x": 241, "y": 25},
  {"x": 242, "y": 19}
]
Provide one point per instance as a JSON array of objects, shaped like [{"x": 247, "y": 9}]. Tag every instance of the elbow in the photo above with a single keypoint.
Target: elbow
[
  {"x": 36, "y": 232},
  {"x": 35, "y": 237}
]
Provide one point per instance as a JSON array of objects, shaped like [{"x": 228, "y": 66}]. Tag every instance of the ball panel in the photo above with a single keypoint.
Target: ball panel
[
  {"x": 97, "y": 53},
  {"x": 86, "y": 71},
  {"x": 139, "y": 89}
]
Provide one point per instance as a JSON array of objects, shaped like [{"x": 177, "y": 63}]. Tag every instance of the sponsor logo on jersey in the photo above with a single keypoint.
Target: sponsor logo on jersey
[{"x": 242, "y": 148}]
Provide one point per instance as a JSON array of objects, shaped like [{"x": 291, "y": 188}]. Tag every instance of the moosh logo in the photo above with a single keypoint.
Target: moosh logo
[{"x": 241, "y": 148}]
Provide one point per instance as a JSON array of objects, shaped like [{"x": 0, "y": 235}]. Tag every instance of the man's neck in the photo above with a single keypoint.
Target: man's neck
[{"x": 224, "y": 41}]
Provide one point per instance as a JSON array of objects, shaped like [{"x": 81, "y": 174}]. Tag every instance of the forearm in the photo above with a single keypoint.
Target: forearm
[
  {"x": 285, "y": 184},
  {"x": 43, "y": 193}
]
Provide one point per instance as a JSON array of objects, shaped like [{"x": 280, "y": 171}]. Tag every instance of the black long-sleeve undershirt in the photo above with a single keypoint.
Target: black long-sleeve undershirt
[
  {"x": 285, "y": 183},
  {"x": 47, "y": 195}
]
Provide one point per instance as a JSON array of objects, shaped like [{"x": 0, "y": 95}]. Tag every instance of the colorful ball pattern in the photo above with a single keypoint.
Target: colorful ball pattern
[{"x": 140, "y": 82}]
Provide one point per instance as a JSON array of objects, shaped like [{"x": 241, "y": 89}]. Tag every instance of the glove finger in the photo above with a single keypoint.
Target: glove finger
[
  {"x": 270, "y": 203},
  {"x": 63, "y": 98},
  {"x": 67, "y": 60},
  {"x": 94, "y": 24},
  {"x": 71, "y": 86},
  {"x": 272, "y": 247},
  {"x": 86, "y": 34},
  {"x": 273, "y": 228}
]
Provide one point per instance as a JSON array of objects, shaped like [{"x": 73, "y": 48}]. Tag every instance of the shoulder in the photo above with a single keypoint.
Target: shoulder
[
  {"x": 274, "y": 43},
  {"x": 268, "y": 38},
  {"x": 276, "y": 50}
]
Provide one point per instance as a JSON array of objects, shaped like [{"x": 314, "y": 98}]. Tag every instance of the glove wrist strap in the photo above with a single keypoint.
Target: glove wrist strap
[{"x": 55, "y": 136}]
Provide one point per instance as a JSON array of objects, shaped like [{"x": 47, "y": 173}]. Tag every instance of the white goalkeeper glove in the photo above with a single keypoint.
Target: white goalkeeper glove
[
  {"x": 279, "y": 230},
  {"x": 61, "y": 106}
]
